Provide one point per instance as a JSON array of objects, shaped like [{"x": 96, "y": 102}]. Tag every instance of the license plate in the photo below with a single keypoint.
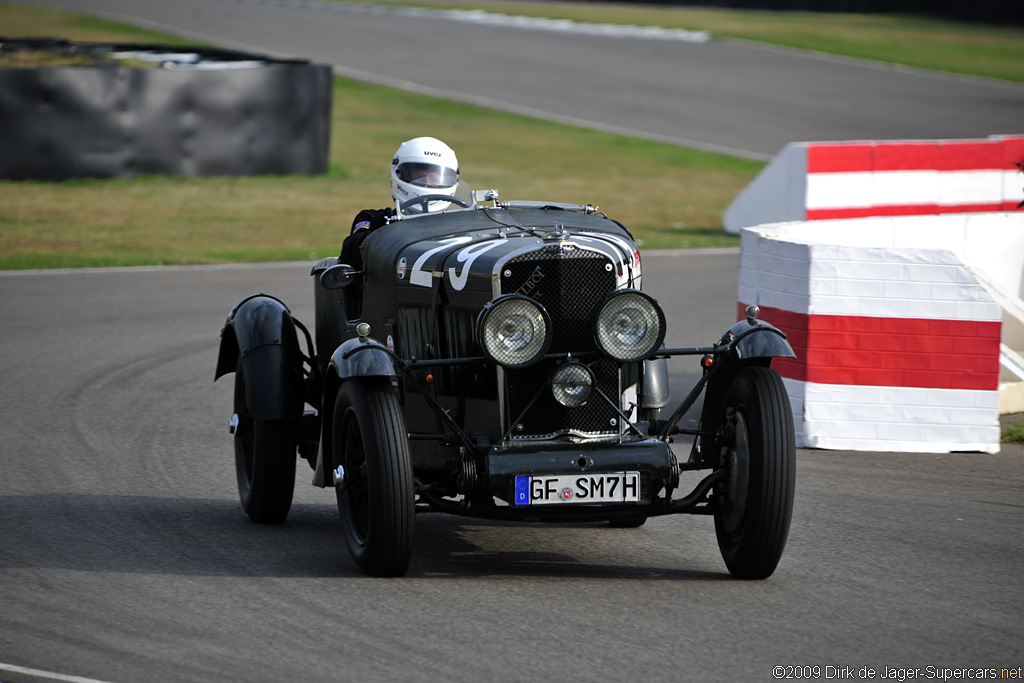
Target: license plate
[{"x": 562, "y": 489}]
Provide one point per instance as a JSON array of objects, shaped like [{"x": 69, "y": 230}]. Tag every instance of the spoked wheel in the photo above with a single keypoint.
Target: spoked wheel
[
  {"x": 264, "y": 460},
  {"x": 753, "y": 507},
  {"x": 377, "y": 500}
]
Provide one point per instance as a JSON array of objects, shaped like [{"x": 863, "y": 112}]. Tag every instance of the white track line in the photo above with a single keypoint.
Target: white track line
[{"x": 39, "y": 673}]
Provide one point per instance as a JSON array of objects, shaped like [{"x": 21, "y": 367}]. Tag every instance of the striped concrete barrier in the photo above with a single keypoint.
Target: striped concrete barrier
[
  {"x": 810, "y": 181},
  {"x": 897, "y": 340}
]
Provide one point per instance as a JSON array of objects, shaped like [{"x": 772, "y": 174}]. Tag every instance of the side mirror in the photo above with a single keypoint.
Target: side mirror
[{"x": 338, "y": 277}]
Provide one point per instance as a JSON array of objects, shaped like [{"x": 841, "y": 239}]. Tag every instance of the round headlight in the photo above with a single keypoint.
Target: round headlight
[
  {"x": 629, "y": 325},
  {"x": 514, "y": 330},
  {"x": 572, "y": 384}
]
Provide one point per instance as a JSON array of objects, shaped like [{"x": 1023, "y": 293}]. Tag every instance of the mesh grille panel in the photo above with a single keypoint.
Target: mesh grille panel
[{"x": 569, "y": 283}]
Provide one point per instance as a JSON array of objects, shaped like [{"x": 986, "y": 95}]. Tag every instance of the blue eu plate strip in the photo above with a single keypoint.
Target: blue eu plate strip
[{"x": 522, "y": 490}]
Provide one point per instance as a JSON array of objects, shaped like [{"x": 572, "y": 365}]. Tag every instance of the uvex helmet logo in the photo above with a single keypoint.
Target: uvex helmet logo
[{"x": 428, "y": 153}]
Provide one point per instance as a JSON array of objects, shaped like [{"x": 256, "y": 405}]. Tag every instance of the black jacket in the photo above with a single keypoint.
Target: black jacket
[{"x": 365, "y": 222}]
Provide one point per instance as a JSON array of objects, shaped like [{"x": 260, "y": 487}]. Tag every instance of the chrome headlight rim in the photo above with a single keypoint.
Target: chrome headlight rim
[
  {"x": 567, "y": 399},
  {"x": 492, "y": 312},
  {"x": 651, "y": 341}
]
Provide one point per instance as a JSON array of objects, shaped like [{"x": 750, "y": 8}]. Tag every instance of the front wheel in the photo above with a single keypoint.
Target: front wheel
[
  {"x": 377, "y": 499},
  {"x": 264, "y": 460},
  {"x": 753, "y": 507}
]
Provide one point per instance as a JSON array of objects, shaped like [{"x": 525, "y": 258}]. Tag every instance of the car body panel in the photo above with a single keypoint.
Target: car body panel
[{"x": 474, "y": 425}]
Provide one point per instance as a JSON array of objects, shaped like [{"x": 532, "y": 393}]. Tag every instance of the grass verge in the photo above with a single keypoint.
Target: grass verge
[
  {"x": 670, "y": 197},
  {"x": 1013, "y": 434}
]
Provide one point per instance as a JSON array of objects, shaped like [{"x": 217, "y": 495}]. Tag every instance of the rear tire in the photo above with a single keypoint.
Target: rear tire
[
  {"x": 264, "y": 461},
  {"x": 377, "y": 501},
  {"x": 754, "y": 506}
]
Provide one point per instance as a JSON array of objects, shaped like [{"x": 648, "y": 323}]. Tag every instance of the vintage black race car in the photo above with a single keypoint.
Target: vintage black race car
[{"x": 499, "y": 360}]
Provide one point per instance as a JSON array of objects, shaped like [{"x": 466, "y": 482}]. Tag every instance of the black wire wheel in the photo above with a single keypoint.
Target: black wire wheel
[
  {"x": 754, "y": 505},
  {"x": 376, "y": 499},
  {"x": 264, "y": 460}
]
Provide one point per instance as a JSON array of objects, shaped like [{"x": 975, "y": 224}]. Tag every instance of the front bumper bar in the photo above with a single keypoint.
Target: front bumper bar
[{"x": 659, "y": 473}]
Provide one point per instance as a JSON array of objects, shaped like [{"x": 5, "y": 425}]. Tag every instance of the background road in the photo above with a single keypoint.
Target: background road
[
  {"x": 125, "y": 555},
  {"x": 742, "y": 98}
]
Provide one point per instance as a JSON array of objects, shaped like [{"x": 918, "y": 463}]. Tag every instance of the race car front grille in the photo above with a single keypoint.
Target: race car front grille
[{"x": 569, "y": 282}]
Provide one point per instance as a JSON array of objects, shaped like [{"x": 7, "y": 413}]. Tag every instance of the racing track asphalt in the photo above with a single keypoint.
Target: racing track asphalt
[
  {"x": 731, "y": 96},
  {"x": 125, "y": 556}
]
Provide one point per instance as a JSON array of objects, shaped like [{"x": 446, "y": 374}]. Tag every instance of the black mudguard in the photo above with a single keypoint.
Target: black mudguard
[
  {"x": 757, "y": 339},
  {"x": 356, "y": 357},
  {"x": 261, "y": 330},
  {"x": 362, "y": 357},
  {"x": 748, "y": 342}
]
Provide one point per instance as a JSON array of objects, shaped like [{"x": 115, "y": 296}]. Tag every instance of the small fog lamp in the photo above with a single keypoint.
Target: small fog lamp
[{"x": 572, "y": 384}]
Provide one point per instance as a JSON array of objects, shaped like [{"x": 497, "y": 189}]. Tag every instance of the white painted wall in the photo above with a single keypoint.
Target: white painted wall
[{"x": 918, "y": 267}]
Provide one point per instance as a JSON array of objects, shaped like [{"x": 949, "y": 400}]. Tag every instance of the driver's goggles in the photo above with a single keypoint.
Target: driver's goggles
[{"x": 427, "y": 175}]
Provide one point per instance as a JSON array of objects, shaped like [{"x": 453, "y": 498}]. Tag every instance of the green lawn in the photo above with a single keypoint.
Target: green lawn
[
  {"x": 670, "y": 197},
  {"x": 1013, "y": 434}
]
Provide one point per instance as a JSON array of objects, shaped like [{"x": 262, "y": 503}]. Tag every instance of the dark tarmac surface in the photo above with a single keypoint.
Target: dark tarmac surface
[{"x": 126, "y": 556}]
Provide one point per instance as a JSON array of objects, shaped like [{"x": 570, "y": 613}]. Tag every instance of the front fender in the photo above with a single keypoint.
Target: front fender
[
  {"x": 260, "y": 330},
  {"x": 748, "y": 342},
  {"x": 362, "y": 357},
  {"x": 356, "y": 357},
  {"x": 757, "y": 339}
]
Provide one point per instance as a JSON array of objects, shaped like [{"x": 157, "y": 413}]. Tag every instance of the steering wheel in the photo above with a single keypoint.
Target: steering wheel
[{"x": 424, "y": 199}]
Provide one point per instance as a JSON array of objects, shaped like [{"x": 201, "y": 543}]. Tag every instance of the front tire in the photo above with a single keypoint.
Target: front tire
[
  {"x": 754, "y": 506},
  {"x": 377, "y": 500},
  {"x": 264, "y": 461}
]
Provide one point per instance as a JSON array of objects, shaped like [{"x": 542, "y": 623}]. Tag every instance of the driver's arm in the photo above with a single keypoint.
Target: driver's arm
[{"x": 365, "y": 222}]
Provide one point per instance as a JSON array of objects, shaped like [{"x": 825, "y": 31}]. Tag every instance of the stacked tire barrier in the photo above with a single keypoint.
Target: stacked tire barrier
[
  {"x": 896, "y": 332},
  {"x": 824, "y": 180},
  {"x": 194, "y": 112}
]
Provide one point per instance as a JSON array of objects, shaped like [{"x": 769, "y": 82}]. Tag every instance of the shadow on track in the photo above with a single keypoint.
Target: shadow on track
[{"x": 206, "y": 537}]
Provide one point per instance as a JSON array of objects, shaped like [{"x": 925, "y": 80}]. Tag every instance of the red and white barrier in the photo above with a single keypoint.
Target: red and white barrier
[
  {"x": 897, "y": 342},
  {"x": 826, "y": 180}
]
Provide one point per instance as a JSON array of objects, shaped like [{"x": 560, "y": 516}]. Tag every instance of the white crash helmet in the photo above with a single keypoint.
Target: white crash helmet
[{"x": 423, "y": 166}]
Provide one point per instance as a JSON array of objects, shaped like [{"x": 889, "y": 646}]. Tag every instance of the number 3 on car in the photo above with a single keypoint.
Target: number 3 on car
[{"x": 606, "y": 487}]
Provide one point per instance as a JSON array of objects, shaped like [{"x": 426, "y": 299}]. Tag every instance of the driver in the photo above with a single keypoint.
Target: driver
[{"x": 421, "y": 166}]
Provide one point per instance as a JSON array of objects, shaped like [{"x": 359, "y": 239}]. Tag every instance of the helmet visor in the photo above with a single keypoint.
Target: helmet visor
[{"x": 427, "y": 175}]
